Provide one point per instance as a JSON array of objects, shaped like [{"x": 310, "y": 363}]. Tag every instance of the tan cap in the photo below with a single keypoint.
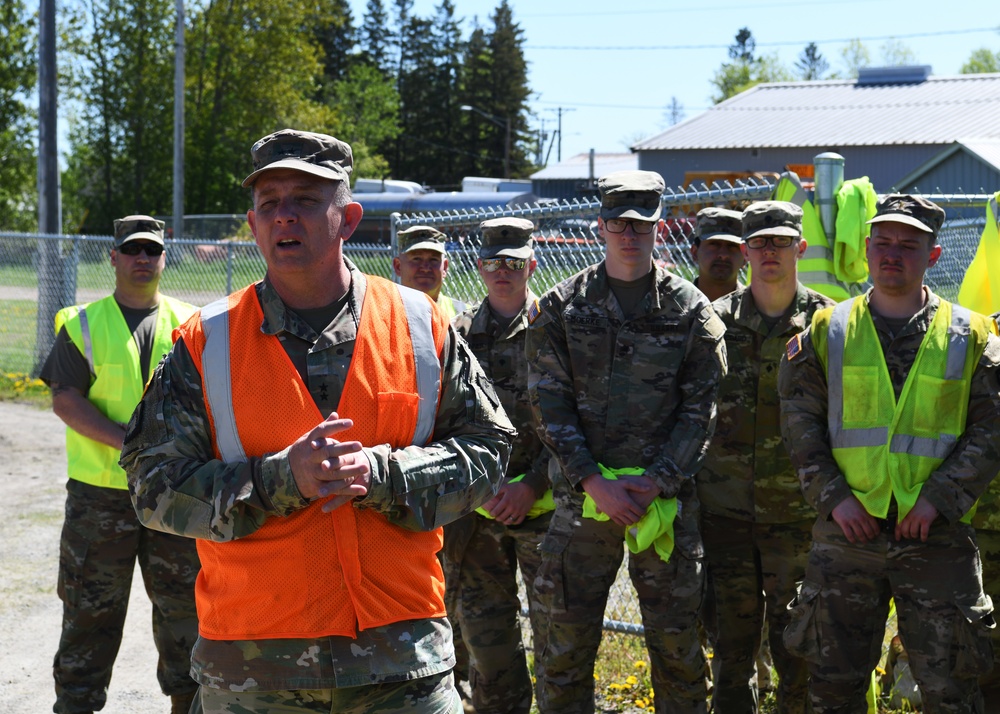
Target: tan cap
[
  {"x": 715, "y": 223},
  {"x": 631, "y": 194},
  {"x": 317, "y": 154},
  {"x": 772, "y": 218},
  {"x": 506, "y": 237},
  {"x": 421, "y": 238},
  {"x": 140, "y": 227},
  {"x": 914, "y": 211}
]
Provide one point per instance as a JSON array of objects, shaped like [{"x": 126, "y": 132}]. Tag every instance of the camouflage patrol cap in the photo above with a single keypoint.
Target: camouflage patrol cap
[
  {"x": 507, "y": 237},
  {"x": 316, "y": 154},
  {"x": 631, "y": 194},
  {"x": 772, "y": 218},
  {"x": 421, "y": 238},
  {"x": 132, "y": 228},
  {"x": 714, "y": 223},
  {"x": 914, "y": 211}
]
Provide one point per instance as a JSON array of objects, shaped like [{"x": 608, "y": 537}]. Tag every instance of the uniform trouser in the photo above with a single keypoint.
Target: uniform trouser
[
  {"x": 435, "y": 694},
  {"x": 485, "y": 574},
  {"x": 989, "y": 550},
  {"x": 838, "y": 620},
  {"x": 754, "y": 571},
  {"x": 101, "y": 540},
  {"x": 580, "y": 560}
]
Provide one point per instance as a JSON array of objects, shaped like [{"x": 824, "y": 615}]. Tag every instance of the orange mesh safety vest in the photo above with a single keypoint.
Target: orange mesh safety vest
[{"x": 314, "y": 574}]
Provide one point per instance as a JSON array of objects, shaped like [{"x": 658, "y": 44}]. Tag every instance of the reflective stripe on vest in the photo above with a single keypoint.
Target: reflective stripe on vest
[
  {"x": 218, "y": 378},
  {"x": 102, "y": 335},
  {"x": 418, "y": 317},
  {"x": 311, "y": 573},
  {"x": 843, "y": 438},
  {"x": 88, "y": 347}
]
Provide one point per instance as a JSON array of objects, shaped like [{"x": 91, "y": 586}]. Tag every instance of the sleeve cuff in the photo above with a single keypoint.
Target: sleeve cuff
[{"x": 278, "y": 484}]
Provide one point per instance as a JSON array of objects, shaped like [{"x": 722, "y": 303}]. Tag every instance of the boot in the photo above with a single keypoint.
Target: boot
[{"x": 184, "y": 703}]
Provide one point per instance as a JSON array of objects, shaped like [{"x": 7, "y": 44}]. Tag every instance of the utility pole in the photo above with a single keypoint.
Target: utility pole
[
  {"x": 179, "y": 123},
  {"x": 559, "y": 132},
  {"x": 50, "y": 299}
]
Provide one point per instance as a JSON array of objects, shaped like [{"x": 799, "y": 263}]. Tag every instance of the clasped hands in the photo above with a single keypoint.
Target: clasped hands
[{"x": 323, "y": 466}]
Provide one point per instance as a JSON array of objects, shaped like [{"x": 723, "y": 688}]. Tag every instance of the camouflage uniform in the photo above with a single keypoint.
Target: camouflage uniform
[
  {"x": 755, "y": 521},
  {"x": 636, "y": 392},
  {"x": 484, "y": 554},
  {"x": 179, "y": 486},
  {"x": 840, "y": 611},
  {"x": 987, "y": 525},
  {"x": 102, "y": 539}
]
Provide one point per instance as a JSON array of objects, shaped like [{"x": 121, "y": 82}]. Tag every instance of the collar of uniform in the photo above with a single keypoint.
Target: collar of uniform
[
  {"x": 919, "y": 323},
  {"x": 278, "y": 318},
  {"x": 598, "y": 289},
  {"x": 748, "y": 315},
  {"x": 484, "y": 323}
]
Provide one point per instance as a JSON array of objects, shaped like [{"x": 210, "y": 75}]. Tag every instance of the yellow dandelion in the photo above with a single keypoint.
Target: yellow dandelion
[
  {"x": 639, "y": 664},
  {"x": 631, "y": 680},
  {"x": 880, "y": 671}
]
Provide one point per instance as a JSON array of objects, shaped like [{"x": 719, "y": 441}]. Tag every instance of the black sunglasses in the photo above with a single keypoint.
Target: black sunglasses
[{"x": 153, "y": 250}]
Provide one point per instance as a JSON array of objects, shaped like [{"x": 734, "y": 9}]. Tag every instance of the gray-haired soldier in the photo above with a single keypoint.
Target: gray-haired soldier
[{"x": 625, "y": 362}]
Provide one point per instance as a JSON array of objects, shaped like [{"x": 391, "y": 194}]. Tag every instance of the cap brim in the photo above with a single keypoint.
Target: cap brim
[
  {"x": 639, "y": 214},
  {"x": 900, "y": 218},
  {"x": 297, "y": 165},
  {"x": 141, "y": 235},
  {"x": 426, "y": 245},
  {"x": 774, "y": 231},
  {"x": 506, "y": 251},
  {"x": 726, "y": 237}
]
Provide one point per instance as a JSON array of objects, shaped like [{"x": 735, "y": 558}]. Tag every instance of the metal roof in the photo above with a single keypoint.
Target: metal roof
[
  {"x": 578, "y": 167},
  {"x": 835, "y": 113}
]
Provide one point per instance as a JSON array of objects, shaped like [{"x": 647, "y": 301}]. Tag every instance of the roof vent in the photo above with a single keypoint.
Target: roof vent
[{"x": 912, "y": 74}]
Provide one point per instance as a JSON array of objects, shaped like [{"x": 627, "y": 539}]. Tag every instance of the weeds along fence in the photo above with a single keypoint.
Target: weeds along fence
[{"x": 41, "y": 273}]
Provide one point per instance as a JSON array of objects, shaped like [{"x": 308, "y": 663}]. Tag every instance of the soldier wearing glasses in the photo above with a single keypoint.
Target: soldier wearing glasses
[
  {"x": 625, "y": 361},
  {"x": 484, "y": 549},
  {"x": 99, "y": 365}
]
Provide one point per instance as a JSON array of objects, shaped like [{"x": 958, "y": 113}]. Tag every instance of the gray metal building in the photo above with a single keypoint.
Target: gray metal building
[{"x": 899, "y": 126}]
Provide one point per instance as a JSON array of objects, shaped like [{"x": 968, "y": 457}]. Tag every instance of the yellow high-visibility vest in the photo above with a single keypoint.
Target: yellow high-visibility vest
[
  {"x": 887, "y": 449},
  {"x": 101, "y": 334}
]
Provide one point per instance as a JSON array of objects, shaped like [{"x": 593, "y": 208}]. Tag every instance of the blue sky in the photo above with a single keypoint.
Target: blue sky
[{"x": 613, "y": 68}]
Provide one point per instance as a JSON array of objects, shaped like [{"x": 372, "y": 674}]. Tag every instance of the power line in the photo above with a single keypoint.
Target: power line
[
  {"x": 782, "y": 43},
  {"x": 694, "y": 8}
]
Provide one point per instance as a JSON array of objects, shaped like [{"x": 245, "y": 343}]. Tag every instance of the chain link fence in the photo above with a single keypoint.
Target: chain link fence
[{"x": 41, "y": 273}]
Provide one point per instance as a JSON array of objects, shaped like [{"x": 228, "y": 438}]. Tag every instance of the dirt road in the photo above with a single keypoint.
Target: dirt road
[{"x": 32, "y": 493}]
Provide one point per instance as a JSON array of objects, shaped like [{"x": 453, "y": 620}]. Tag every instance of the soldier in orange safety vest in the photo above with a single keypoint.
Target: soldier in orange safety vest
[{"x": 313, "y": 432}]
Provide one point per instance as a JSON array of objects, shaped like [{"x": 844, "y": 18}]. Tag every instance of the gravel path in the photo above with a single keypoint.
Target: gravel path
[{"x": 32, "y": 478}]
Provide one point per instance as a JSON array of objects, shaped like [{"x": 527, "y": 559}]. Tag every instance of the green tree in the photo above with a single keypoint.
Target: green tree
[
  {"x": 367, "y": 107},
  {"x": 334, "y": 32},
  {"x": 811, "y": 64},
  {"x": 855, "y": 57},
  {"x": 475, "y": 91},
  {"x": 510, "y": 91},
  {"x": 252, "y": 68},
  {"x": 982, "y": 61},
  {"x": 745, "y": 70},
  {"x": 18, "y": 122},
  {"x": 122, "y": 138},
  {"x": 375, "y": 36},
  {"x": 897, "y": 54}
]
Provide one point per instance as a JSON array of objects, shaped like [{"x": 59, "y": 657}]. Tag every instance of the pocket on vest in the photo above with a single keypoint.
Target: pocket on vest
[
  {"x": 939, "y": 410},
  {"x": 861, "y": 396},
  {"x": 397, "y": 417}
]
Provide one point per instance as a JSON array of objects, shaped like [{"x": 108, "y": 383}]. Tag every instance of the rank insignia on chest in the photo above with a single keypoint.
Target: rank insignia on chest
[
  {"x": 533, "y": 312},
  {"x": 794, "y": 346}
]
